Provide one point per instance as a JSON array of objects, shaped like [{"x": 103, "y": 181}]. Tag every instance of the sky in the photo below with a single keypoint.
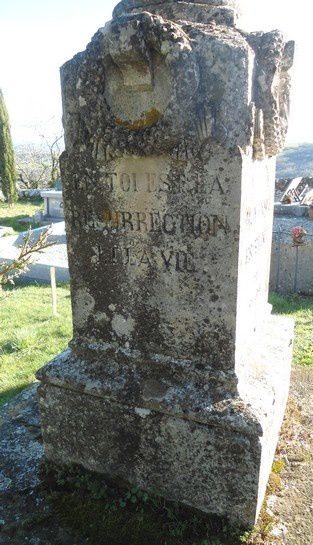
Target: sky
[{"x": 38, "y": 36}]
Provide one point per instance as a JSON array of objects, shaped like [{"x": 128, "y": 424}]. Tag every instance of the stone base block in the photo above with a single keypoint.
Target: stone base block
[
  {"x": 216, "y": 458},
  {"x": 203, "y": 466}
]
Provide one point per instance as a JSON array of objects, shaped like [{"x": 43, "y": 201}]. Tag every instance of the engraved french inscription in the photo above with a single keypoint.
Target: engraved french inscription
[
  {"x": 170, "y": 224},
  {"x": 154, "y": 182},
  {"x": 166, "y": 259}
]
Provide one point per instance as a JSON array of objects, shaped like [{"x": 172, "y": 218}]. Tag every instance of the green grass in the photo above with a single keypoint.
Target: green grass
[
  {"x": 9, "y": 215},
  {"x": 29, "y": 335},
  {"x": 301, "y": 310}
]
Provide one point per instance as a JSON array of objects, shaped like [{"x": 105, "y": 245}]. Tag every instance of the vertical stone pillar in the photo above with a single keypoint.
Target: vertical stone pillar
[{"x": 177, "y": 375}]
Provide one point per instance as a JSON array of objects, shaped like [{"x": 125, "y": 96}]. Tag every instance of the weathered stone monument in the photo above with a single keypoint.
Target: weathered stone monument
[{"x": 177, "y": 375}]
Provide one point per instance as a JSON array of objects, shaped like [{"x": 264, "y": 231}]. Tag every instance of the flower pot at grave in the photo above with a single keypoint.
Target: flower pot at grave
[{"x": 310, "y": 212}]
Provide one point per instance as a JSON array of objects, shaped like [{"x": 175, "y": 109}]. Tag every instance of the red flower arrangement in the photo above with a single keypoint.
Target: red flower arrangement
[{"x": 297, "y": 234}]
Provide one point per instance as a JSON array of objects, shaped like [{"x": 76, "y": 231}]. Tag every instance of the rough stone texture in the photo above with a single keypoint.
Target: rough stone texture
[
  {"x": 20, "y": 438},
  {"x": 25, "y": 514},
  {"x": 171, "y": 128},
  {"x": 143, "y": 428},
  {"x": 205, "y": 11},
  {"x": 18, "y": 473}
]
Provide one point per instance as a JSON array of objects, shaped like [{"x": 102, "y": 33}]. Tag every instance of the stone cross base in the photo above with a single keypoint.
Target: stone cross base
[{"x": 214, "y": 457}]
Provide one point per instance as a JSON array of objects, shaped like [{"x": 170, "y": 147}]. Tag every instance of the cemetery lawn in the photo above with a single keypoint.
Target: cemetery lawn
[
  {"x": 29, "y": 335},
  {"x": 301, "y": 310},
  {"x": 9, "y": 215}
]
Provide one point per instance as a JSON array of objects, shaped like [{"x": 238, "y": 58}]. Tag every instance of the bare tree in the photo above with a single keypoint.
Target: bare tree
[
  {"x": 9, "y": 271},
  {"x": 32, "y": 166},
  {"x": 55, "y": 152},
  {"x": 38, "y": 165}
]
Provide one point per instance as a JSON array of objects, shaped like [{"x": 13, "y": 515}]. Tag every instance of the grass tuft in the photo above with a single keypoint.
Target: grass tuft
[{"x": 29, "y": 335}]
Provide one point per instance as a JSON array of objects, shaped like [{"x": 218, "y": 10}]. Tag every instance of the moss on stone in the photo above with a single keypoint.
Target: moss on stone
[{"x": 150, "y": 118}]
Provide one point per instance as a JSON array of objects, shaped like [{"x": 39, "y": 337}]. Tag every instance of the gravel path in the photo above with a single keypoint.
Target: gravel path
[{"x": 294, "y": 505}]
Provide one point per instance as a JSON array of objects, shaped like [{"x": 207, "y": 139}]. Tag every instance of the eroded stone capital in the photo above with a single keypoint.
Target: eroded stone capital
[
  {"x": 131, "y": 4},
  {"x": 202, "y": 11}
]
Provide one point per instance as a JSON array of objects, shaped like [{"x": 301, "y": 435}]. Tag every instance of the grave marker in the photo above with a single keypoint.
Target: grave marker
[{"x": 177, "y": 376}]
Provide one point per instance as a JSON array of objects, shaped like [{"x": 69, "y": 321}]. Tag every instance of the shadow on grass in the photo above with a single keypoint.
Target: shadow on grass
[
  {"x": 9, "y": 347},
  {"x": 22, "y": 282},
  {"x": 110, "y": 513},
  {"x": 9, "y": 393},
  {"x": 14, "y": 222}
]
